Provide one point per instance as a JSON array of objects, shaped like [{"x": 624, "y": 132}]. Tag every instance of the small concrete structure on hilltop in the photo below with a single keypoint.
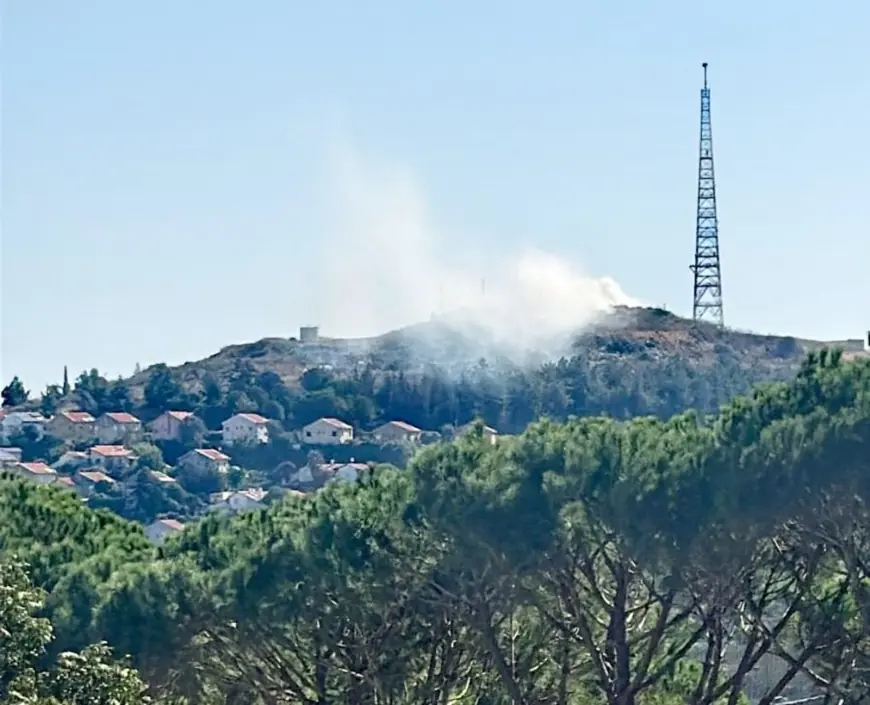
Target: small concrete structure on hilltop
[{"x": 309, "y": 334}]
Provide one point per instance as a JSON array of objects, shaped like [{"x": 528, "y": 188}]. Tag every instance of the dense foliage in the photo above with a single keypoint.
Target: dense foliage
[
  {"x": 694, "y": 560},
  {"x": 89, "y": 677},
  {"x": 613, "y": 375}
]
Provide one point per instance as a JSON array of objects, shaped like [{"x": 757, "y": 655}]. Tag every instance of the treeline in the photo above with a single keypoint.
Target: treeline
[
  {"x": 695, "y": 560},
  {"x": 506, "y": 397}
]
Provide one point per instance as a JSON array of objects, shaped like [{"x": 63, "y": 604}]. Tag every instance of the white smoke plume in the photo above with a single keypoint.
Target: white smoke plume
[{"x": 387, "y": 265}]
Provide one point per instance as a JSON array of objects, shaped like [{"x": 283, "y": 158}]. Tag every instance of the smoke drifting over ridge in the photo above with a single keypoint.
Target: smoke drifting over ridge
[{"x": 386, "y": 265}]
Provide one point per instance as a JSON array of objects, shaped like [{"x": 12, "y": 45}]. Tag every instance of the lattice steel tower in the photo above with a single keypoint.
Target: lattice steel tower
[{"x": 707, "y": 270}]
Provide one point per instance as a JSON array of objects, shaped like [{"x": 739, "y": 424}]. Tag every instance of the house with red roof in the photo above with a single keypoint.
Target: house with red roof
[
  {"x": 167, "y": 426},
  {"x": 111, "y": 458},
  {"x": 327, "y": 431},
  {"x": 246, "y": 429},
  {"x": 73, "y": 426},
  {"x": 118, "y": 427},
  {"x": 158, "y": 531},
  {"x": 207, "y": 459},
  {"x": 36, "y": 472},
  {"x": 87, "y": 481},
  {"x": 397, "y": 432}
]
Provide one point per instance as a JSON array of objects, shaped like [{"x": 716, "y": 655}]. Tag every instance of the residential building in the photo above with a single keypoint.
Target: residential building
[
  {"x": 118, "y": 427},
  {"x": 167, "y": 426},
  {"x": 65, "y": 481},
  {"x": 344, "y": 472},
  {"x": 87, "y": 481},
  {"x": 309, "y": 479},
  {"x": 9, "y": 456},
  {"x": 73, "y": 426},
  {"x": 14, "y": 423},
  {"x": 327, "y": 431},
  {"x": 239, "y": 501},
  {"x": 161, "y": 478},
  {"x": 397, "y": 432},
  {"x": 248, "y": 429},
  {"x": 489, "y": 433},
  {"x": 158, "y": 531},
  {"x": 112, "y": 458},
  {"x": 206, "y": 459},
  {"x": 36, "y": 472},
  {"x": 73, "y": 460}
]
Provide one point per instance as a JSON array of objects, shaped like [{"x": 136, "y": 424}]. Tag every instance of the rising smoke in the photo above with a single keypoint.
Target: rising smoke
[{"x": 389, "y": 266}]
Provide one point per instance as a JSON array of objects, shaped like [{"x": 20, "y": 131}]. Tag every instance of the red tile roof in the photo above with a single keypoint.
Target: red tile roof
[
  {"x": 37, "y": 468},
  {"x": 180, "y": 415},
  {"x": 160, "y": 476},
  {"x": 66, "y": 481},
  {"x": 338, "y": 423},
  {"x": 255, "y": 494},
  {"x": 335, "y": 467},
  {"x": 171, "y": 524},
  {"x": 77, "y": 416},
  {"x": 253, "y": 418},
  {"x": 211, "y": 454},
  {"x": 122, "y": 417},
  {"x": 403, "y": 426},
  {"x": 111, "y": 451},
  {"x": 96, "y": 476}
]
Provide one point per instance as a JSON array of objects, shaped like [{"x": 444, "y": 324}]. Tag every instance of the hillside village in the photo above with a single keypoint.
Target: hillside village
[
  {"x": 102, "y": 455},
  {"x": 255, "y": 422}
]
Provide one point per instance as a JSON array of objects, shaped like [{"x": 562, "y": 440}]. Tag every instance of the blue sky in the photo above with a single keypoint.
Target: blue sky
[{"x": 169, "y": 182}]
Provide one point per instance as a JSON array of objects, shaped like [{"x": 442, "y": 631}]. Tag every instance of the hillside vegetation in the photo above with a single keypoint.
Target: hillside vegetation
[
  {"x": 635, "y": 362},
  {"x": 692, "y": 560},
  {"x": 456, "y": 346}
]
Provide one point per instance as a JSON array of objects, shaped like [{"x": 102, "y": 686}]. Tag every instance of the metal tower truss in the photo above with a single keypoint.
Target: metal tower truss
[{"x": 707, "y": 270}]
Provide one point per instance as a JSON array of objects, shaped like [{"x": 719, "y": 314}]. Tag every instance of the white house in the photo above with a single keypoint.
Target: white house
[
  {"x": 167, "y": 426},
  {"x": 309, "y": 479},
  {"x": 489, "y": 434},
  {"x": 246, "y": 428},
  {"x": 327, "y": 431},
  {"x": 111, "y": 458},
  {"x": 75, "y": 426},
  {"x": 118, "y": 426},
  {"x": 238, "y": 501},
  {"x": 206, "y": 459},
  {"x": 14, "y": 423},
  {"x": 73, "y": 459},
  {"x": 36, "y": 472},
  {"x": 86, "y": 481},
  {"x": 343, "y": 472},
  {"x": 397, "y": 432},
  {"x": 160, "y": 529}
]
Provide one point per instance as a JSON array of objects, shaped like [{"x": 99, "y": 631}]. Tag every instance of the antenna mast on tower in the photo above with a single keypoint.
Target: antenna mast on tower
[{"x": 707, "y": 270}]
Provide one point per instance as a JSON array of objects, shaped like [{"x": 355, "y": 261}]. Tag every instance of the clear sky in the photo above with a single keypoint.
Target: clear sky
[{"x": 166, "y": 189}]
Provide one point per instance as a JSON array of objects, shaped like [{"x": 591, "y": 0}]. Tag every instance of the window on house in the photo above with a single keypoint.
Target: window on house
[{"x": 334, "y": 434}]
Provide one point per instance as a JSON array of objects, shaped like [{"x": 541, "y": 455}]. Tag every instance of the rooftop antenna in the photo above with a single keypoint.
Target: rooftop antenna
[{"x": 707, "y": 303}]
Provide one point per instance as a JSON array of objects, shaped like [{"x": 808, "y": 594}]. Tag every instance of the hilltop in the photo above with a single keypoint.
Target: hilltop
[
  {"x": 445, "y": 372},
  {"x": 456, "y": 345}
]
